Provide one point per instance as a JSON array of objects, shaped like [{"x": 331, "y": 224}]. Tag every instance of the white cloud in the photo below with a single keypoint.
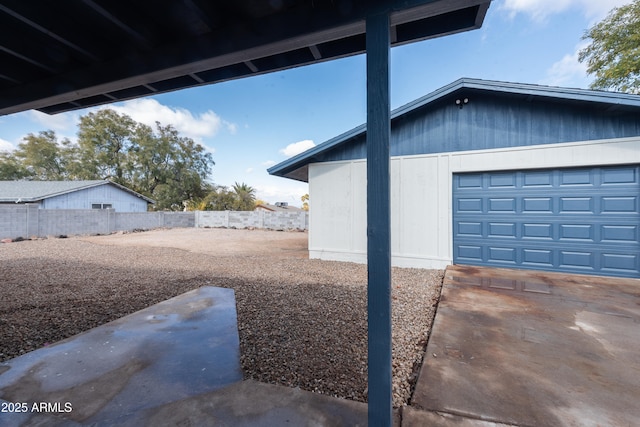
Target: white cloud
[
  {"x": 272, "y": 194},
  {"x": 539, "y": 10},
  {"x": 232, "y": 128},
  {"x": 6, "y": 145},
  {"x": 248, "y": 170},
  {"x": 567, "y": 70},
  {"x": 297, "y": 147},
  {"x": 268, "y": 163},
  {"x": 57, "y": 122},
  {"x": 149, "y": 111}
]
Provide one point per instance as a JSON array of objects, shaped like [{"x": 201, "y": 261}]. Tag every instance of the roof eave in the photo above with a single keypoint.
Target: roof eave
[
  {"x": 71, "y": 190},
  {"x": 204, "y": 59},
  {"x": 134, "y": 193}
]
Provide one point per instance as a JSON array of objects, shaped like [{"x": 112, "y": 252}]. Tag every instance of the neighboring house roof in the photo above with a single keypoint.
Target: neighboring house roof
[
  {"x": 33, "y": 191},
  {"x": 278, "y": 208},
  {"x": 297, "y": 167}
]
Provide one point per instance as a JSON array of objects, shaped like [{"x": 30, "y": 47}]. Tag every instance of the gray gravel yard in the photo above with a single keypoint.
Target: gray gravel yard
[{"x": 302, "y": 322}]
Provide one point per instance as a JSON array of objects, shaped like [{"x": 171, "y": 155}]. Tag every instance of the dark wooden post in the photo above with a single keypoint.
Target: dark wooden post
[{"x": 378, "y": 221}]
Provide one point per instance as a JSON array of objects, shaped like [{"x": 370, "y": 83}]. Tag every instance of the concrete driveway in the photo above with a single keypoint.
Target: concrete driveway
[{"x": 529, "y": 348}]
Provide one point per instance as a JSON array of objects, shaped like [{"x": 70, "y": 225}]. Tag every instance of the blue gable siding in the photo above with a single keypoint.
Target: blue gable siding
[
  {"x": 119, "y": 199},
  {"x": 493, "y": 121}
]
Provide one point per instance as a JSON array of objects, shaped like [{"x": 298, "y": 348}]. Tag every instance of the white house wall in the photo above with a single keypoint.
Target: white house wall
[
  {"x": 421, "y": 192},
  {"x": 338, "y": 210}
]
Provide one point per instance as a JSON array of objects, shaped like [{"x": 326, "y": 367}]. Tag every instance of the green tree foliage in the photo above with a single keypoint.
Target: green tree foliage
[
  {"x": 161, "y": 164},
  {"x": 173, "y": 169},
  {"x": 104, "y": 140},
  {"x": 613, "y": 54},
  {"x": 43, "y": 158},
  {"x": 305, "y": 202},
  {"x": 245, "y": 197},
  {"x": 39, "y": 157},
  {"x": 11, "y": 168},
  {"x": 241, "y": 197}
]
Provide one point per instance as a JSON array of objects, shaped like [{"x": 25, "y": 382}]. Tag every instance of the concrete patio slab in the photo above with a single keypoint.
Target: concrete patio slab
[
  {"x": 412, "y": 417},
  {"x": 530, "y": 348},
  {"x": 255, "y": 404},
  {"x": 182, "y": 347}
]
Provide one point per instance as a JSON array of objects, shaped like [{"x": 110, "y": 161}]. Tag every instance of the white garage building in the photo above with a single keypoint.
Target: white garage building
[{"x": 490, "y": 173}]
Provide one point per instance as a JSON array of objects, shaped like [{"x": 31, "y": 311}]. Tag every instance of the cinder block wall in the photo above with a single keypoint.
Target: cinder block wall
[
  {"x": 257, "y": 219},
  {"x": 13, "y": 221},
  {"x": 28, "y": 220},
  {"x": 74, "y": 221}
]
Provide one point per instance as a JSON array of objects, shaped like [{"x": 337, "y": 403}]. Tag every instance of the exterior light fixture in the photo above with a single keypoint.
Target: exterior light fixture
[{"x": 462, "y": 102}]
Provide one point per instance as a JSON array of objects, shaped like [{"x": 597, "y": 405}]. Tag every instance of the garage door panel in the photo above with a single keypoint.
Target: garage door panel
[
  {"x": 619, "y": 175},
  {"x": 577, "y": 259},
  {"x": 537, "y": 179},
  {"x": 538, "y": 258},
  {"x": 620, "y": 262},
  {"x": 502, "y": 180},
  {"x": 469, "y": 229},
  {"x": 471, "y": 253},
  {"x": 537, "y": 205},
  {"x": 619, "y": 233},
  {"x": 472, "y": 205},
  {"x": 537, "y": 231},
  {"x": 574, "y": 220},
  {"x": 470, "y": 181},
  {"x": 628, "y": 204},
  {"x": 583, "y": 205},
  {"x": 502, "y": 229},
  {"x": 503, "y": 205},
  {"x": 584, "y": 232},
  {"x": 578, "y": 177},
  {"x": 502, "y": 255}
]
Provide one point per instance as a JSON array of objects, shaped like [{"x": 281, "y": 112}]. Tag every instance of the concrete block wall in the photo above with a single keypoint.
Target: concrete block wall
[
  {"x": 179, "y": 219},
  {"x": 13, "y": 221},
  {"x": 212, "y": 218},
  {"x": 54, "y": 222},
  {"x": 138, "y": 220},
  {"x": 257, "y": 219},
  {"x": 27, "y": 220}
]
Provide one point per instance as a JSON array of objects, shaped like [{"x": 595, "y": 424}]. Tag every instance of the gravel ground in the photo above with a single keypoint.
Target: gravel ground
[{"x": 302, "y": 323}]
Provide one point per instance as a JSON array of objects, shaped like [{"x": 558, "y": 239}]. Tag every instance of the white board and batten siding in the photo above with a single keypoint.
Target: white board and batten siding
[
  {"x": 421, "y": 194},
  {"x": 120, "y": 200}
]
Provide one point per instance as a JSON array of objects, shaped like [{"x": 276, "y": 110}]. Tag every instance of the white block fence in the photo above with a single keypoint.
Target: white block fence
[{"x": 27, "y": 220}]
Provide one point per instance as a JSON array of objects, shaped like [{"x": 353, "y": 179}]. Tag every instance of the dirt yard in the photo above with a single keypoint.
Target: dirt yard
[{"x": 302, "y": 323}]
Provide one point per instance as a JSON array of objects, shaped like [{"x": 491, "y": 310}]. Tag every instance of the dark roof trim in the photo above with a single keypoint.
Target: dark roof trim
[
  {"x": 289, "y": 167},
  {"x": 303, "y": 32}
]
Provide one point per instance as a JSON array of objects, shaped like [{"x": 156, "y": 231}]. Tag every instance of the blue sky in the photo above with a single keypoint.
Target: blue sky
[{"x": 254, "y": 123}]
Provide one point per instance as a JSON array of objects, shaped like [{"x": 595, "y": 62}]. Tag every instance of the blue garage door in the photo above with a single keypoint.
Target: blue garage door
[{"x": 578, "y": 220}]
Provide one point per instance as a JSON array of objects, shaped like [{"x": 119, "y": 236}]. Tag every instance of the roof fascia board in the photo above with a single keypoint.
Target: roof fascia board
[
  {"x": 84, "y": 186},
  {"x": 71, "y": 190},
  {"x": 335, "y": 141},
  {"x": 575, "y": 94},
  {"x": 404, "y": 15},
  {"x": 130, "y": 191}
]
